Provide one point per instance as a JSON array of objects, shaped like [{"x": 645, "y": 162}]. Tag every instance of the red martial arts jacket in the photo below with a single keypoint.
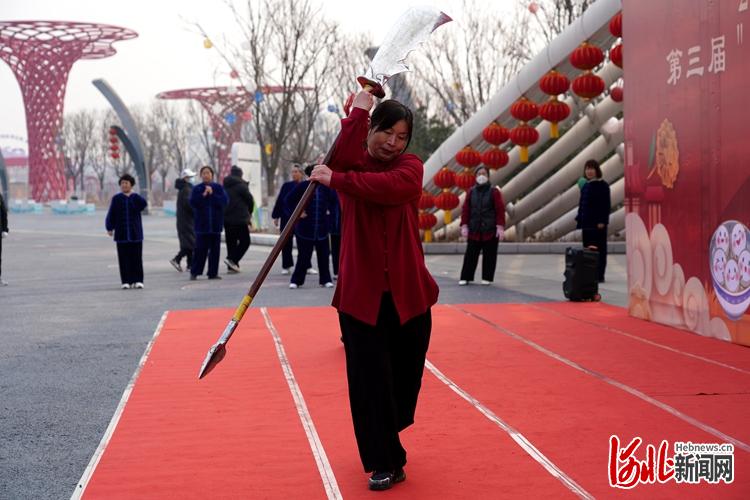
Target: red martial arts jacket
[{"x": 380, "y": 246}]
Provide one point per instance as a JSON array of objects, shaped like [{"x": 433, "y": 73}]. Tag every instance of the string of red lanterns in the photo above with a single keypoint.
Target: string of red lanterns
[
  {"x": 586, "y": 57},
  {"x": 615, "y": 54},
  {"x": 524, "y": 135},
  {"x": 445, "y": 179},
  {"x": 495, "y": 134},
  {"x": 554, "y": 111},
  {"x": 426, "y": 219}
]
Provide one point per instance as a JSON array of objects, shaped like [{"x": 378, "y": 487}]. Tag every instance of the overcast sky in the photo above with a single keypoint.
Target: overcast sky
[{"x": 168, "y": 53}]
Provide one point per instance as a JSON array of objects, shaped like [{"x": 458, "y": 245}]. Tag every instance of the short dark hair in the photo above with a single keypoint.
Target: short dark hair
[
  {"x": 595, "y": 165},
  {"x": 126, "y": 177},
  {"x": 390, "y": 112},
  {"x": 207, "y": 167}
]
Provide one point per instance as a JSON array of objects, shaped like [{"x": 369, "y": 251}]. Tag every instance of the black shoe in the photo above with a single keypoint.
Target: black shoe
[
  {"x": 193, "y": 277},
  {"x": 217, "y": 277},
  {"x": 385, "y": 480},
  {"x": 399, "y": 476}
]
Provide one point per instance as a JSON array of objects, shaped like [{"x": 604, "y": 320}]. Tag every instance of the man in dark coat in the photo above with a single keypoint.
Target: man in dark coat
[
  {"x": 123, "y": 222},
  {"x": 185, "y": 229},
  {"x": 3, "y": 234},
  {"x": 208, "y": 200},
  {"x": 237, "y": 220},
  {"x": 281, "y": 213}
]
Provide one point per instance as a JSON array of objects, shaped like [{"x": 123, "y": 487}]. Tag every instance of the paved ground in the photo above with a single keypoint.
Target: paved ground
[{"x": 71, "y": 338}]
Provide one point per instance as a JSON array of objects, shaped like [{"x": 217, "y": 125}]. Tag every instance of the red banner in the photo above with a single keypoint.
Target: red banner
[{"x": 687, "y": 70}]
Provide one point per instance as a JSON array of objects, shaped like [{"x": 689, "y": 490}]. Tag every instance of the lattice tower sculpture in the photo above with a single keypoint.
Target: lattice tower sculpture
[
  {"x": 41, "y": 54},
  {"x": 219, "y": 103}
]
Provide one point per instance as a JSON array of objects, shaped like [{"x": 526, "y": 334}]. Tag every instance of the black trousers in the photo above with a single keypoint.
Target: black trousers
[
  {"x": 287, "y": 261},
  {"x": 1, "y": 256},
  {"x": 130, "y": 261},
  {"x": 335, "y": 252},
  {"x": 206, "y": 245},
  {"x": 304, "y": 260},
  {"x": 185, "y": 252},
  {"x": 238, "y": 241},
  {"x": 597, "y": 238},
  {"x": 488, "y": 250},
  {"x": 384, "y": 365}
]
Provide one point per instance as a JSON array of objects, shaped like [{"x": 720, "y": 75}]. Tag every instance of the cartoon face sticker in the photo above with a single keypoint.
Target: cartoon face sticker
[
  {"x": 732, "y": 276},
  {"x": 722, "y": 238},
  {"x": 744, "y": 262},
  {"x": 718, "y": 265},
  {"x": 739, "y": 239}
]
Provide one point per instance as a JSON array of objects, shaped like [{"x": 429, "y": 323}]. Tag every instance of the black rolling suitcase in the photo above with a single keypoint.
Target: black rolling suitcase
[{"x": 581, "y": 268}]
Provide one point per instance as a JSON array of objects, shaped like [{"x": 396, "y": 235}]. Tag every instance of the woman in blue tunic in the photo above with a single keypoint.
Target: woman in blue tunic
[{"x": 124, "y": 223}]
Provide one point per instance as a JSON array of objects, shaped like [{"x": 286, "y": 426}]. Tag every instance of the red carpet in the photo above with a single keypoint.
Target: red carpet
[{"x": 553, "y": 382}]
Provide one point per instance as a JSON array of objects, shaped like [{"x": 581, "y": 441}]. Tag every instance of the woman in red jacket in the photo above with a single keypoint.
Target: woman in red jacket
[{"x": 384, "y": 291}]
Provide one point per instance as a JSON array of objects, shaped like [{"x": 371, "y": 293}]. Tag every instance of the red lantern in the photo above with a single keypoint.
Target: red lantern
[
  {"x": 426, "y": 222},
  {"x": 554, "y": 83},
  {"x": 586, "y": 56},
  {"x": 524, "y": 136},
  {"x": 524, "y": 110},
  {"x": 554, "y": 111},
  {"x": 616, "y": 94},
  {"x": 426, "y": 201},
  {"x": 113, "y": 139},
  {"x": 115, "y": 156},
  {"x": 615, "y": 55},
  {"x": 465, "y": 180},
  {"x": 234, "y": 74},
  {"x": 615, "y": 25},
  {"x": 495, "y": 134},
  {"x": 495, "y": 158},
  {"x": 445, "y": 178},
  {"x": 447, "y": 201},
  {"x": 588, "y": 85},
  {"x": 468, "y": 157},
  {"x": 112, "y": 131}
]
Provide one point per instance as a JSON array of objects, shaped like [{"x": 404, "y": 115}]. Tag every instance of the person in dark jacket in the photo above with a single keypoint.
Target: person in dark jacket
[
  {"x": 123, "y": 221},
  {"x": 311, "y": 232},
  {"x": 237, "y": 218},
  {"x": 593, "y": 212},
  {"x": 185, "y": 229},
  {"x": 483, "y": 224},
  {"x": 208, "y": 200},
  {"x": 3, "y": 234},
  {"x": 281, "y": 213}
]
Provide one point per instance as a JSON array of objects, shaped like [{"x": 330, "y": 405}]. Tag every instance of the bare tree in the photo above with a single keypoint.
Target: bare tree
[
  {"x": 173, "y": 138},
  {"x": 78, "y": 141},
  {"x": 286, "y": 54},
  {"x": 199, "y": 125},
  {"x": 553, "y": 16},
  {"x": 467, "y": 63}
]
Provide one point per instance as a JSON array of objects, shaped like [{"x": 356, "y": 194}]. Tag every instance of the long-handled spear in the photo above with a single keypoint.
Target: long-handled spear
[{"x": 410, "y": 30}]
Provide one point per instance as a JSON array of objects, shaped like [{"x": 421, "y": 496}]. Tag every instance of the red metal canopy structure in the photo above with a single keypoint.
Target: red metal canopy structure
[
  {"x": 41, "y": 54},
  {"x": 225, "y": 107}
]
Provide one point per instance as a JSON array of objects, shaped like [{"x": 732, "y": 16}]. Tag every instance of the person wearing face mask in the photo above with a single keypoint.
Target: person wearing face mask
[
  {"x": 483, "y": 226},
  {"x": 384, "y": 293}
]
